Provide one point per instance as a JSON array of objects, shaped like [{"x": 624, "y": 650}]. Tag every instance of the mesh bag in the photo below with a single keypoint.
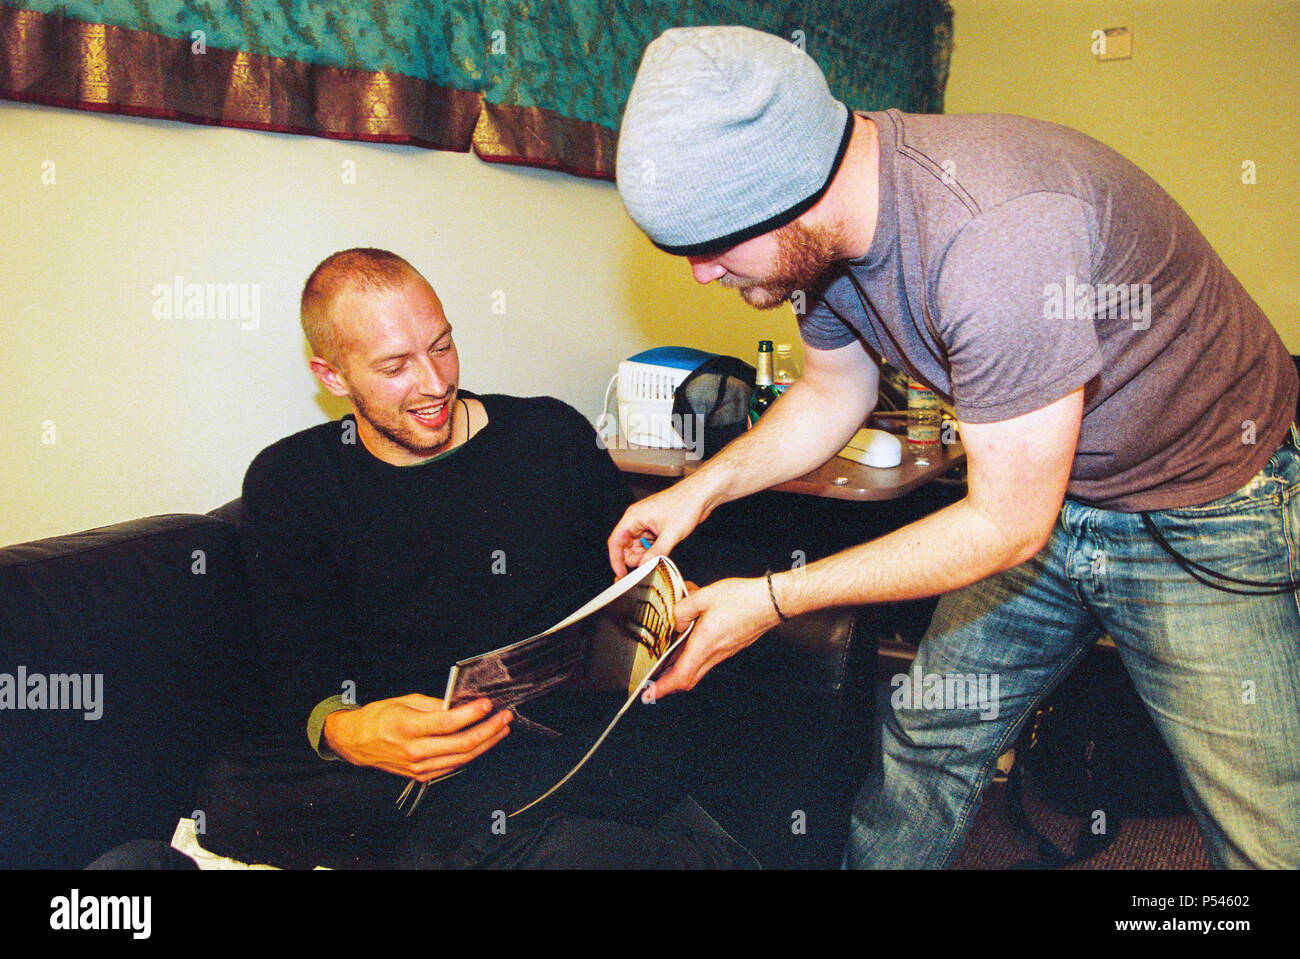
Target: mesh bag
[{"x": 712, "y": 403}]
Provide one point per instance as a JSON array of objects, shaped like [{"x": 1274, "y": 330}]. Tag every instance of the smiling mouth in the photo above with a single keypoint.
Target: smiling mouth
[{"x": 434, "y": 415}]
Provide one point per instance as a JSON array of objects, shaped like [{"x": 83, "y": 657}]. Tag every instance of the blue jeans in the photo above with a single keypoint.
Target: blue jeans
[{"x": 1219, "y": 673}]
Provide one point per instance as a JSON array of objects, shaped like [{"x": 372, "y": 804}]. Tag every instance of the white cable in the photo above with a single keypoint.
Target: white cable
[{"x": 603, "y": 420}]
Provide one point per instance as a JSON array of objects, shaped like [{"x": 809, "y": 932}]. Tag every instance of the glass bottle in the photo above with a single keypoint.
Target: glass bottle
[
  {"x": 764, "y": 385},
  {"x": 785, "y": 369}
]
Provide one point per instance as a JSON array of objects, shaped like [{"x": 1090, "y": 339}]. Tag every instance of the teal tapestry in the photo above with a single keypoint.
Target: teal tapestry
[{"x": 540, "y": 82}]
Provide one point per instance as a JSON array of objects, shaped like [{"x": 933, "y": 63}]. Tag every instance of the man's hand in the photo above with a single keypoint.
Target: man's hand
[
  {"x": 730, "y": 614},
  {"x": 665, "y": 519},
  {"x": 413, "y": 736}
]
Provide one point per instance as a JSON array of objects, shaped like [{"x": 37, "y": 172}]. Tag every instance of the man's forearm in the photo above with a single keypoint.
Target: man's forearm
[{"x": 944, "y": 551}]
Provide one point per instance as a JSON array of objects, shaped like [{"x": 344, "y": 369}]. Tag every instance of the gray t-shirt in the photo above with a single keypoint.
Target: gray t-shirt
[{"x": 1015, "y": 261}]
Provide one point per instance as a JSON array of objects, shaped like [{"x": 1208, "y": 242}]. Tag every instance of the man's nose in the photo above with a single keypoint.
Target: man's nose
[
  {"x": 431, "y": 381},
  {"x": 706, "y": 269}
]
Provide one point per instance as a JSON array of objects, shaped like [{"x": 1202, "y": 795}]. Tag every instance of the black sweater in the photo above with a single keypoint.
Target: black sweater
[{"x": 383, "y": 576}]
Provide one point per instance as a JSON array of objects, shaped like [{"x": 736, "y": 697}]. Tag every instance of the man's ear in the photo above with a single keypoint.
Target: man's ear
[{"x": 329, "y": 377}]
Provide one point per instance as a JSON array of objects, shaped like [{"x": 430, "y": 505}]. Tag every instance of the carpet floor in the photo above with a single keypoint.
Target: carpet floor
[{"x": 994, "y": 842}]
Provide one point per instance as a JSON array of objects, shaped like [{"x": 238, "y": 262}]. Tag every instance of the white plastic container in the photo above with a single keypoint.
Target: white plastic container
[{"x": 646, "y": 383}]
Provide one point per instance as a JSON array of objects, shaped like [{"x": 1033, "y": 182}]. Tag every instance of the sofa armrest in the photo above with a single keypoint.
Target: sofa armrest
[
  {"x": 824, "y": 640},
  {"x": 150, "y": 611}
]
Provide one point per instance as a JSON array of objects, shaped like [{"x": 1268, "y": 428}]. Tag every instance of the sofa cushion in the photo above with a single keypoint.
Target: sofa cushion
[{"x": 150, "y": 614}]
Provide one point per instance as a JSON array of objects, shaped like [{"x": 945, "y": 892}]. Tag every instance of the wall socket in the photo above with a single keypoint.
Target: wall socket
[{"x": 1115, "y": 44}]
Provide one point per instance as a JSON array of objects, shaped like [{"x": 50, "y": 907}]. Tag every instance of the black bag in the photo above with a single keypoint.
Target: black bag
[
  {"x": 718, "y": 392},
  {"x": 1091, "y": 747}
]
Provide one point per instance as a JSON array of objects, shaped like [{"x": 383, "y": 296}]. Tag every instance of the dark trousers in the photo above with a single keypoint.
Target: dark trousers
[{"x": 276, "y": 802}]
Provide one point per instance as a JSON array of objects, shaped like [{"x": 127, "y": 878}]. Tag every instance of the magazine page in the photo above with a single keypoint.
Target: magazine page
[
  {"x": 633, "y": 638},
  {"x": 610, "y": 651},
  {"x": 616, "y": 642},
  {"x": 646, "y": 679}
]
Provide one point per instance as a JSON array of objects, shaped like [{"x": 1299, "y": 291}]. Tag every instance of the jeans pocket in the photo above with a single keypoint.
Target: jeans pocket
[
  {"x": 1279, "y": 480},
  {"x": 1250, "y": 533}
]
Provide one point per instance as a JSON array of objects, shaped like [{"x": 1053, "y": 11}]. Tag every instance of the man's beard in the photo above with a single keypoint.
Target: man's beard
[
  {"x": 803, "y": 255},
  {"x": 403, "y": 434}
]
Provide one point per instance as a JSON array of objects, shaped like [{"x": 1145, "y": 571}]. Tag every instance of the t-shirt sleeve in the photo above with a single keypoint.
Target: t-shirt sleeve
[
  {"x": 1007, "y": 293},
  {"x": 821, "y": 328}
]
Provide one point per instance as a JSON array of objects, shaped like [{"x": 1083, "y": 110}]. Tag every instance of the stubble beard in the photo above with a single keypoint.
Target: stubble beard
[
  {"x": 803, "y": 254},
  {"x": 403, "y": 434}
]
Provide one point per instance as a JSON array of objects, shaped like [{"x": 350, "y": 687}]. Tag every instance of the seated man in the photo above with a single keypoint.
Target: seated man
[{"x": 429, "y": 525}]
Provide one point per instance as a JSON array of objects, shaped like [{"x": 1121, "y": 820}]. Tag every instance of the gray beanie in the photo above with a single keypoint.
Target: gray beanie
[{"x": 728, "y": 133}]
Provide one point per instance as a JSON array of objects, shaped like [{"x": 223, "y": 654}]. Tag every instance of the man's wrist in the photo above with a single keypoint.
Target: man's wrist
[
  {"x": 712, "y": 485},
  {"x": 322, "y": 733},
  {"x": 332, "y": 734},
  {"x": 784, "y": 592},
  {"x": 771, "y": 593}
]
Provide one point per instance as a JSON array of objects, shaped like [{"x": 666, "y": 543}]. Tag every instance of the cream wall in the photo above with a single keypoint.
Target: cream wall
[
  {"x": 153, "y": 415},
  {"x": 158, "y": 415},
  {"x": 1212, "y": 84}
]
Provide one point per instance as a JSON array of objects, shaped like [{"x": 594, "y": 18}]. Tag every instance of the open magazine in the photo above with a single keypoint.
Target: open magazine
[{"x": 616, "y": 642}]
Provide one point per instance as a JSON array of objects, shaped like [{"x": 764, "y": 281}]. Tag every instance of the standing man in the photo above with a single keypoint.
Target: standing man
[{"x": 1107, "y": 371}]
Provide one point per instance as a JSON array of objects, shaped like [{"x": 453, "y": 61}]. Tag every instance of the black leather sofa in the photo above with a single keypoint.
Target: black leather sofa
[{"x": 157, "y": 607}]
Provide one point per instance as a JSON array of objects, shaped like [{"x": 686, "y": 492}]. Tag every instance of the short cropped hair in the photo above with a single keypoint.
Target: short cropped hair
[{"x": 361, "y": 268}]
